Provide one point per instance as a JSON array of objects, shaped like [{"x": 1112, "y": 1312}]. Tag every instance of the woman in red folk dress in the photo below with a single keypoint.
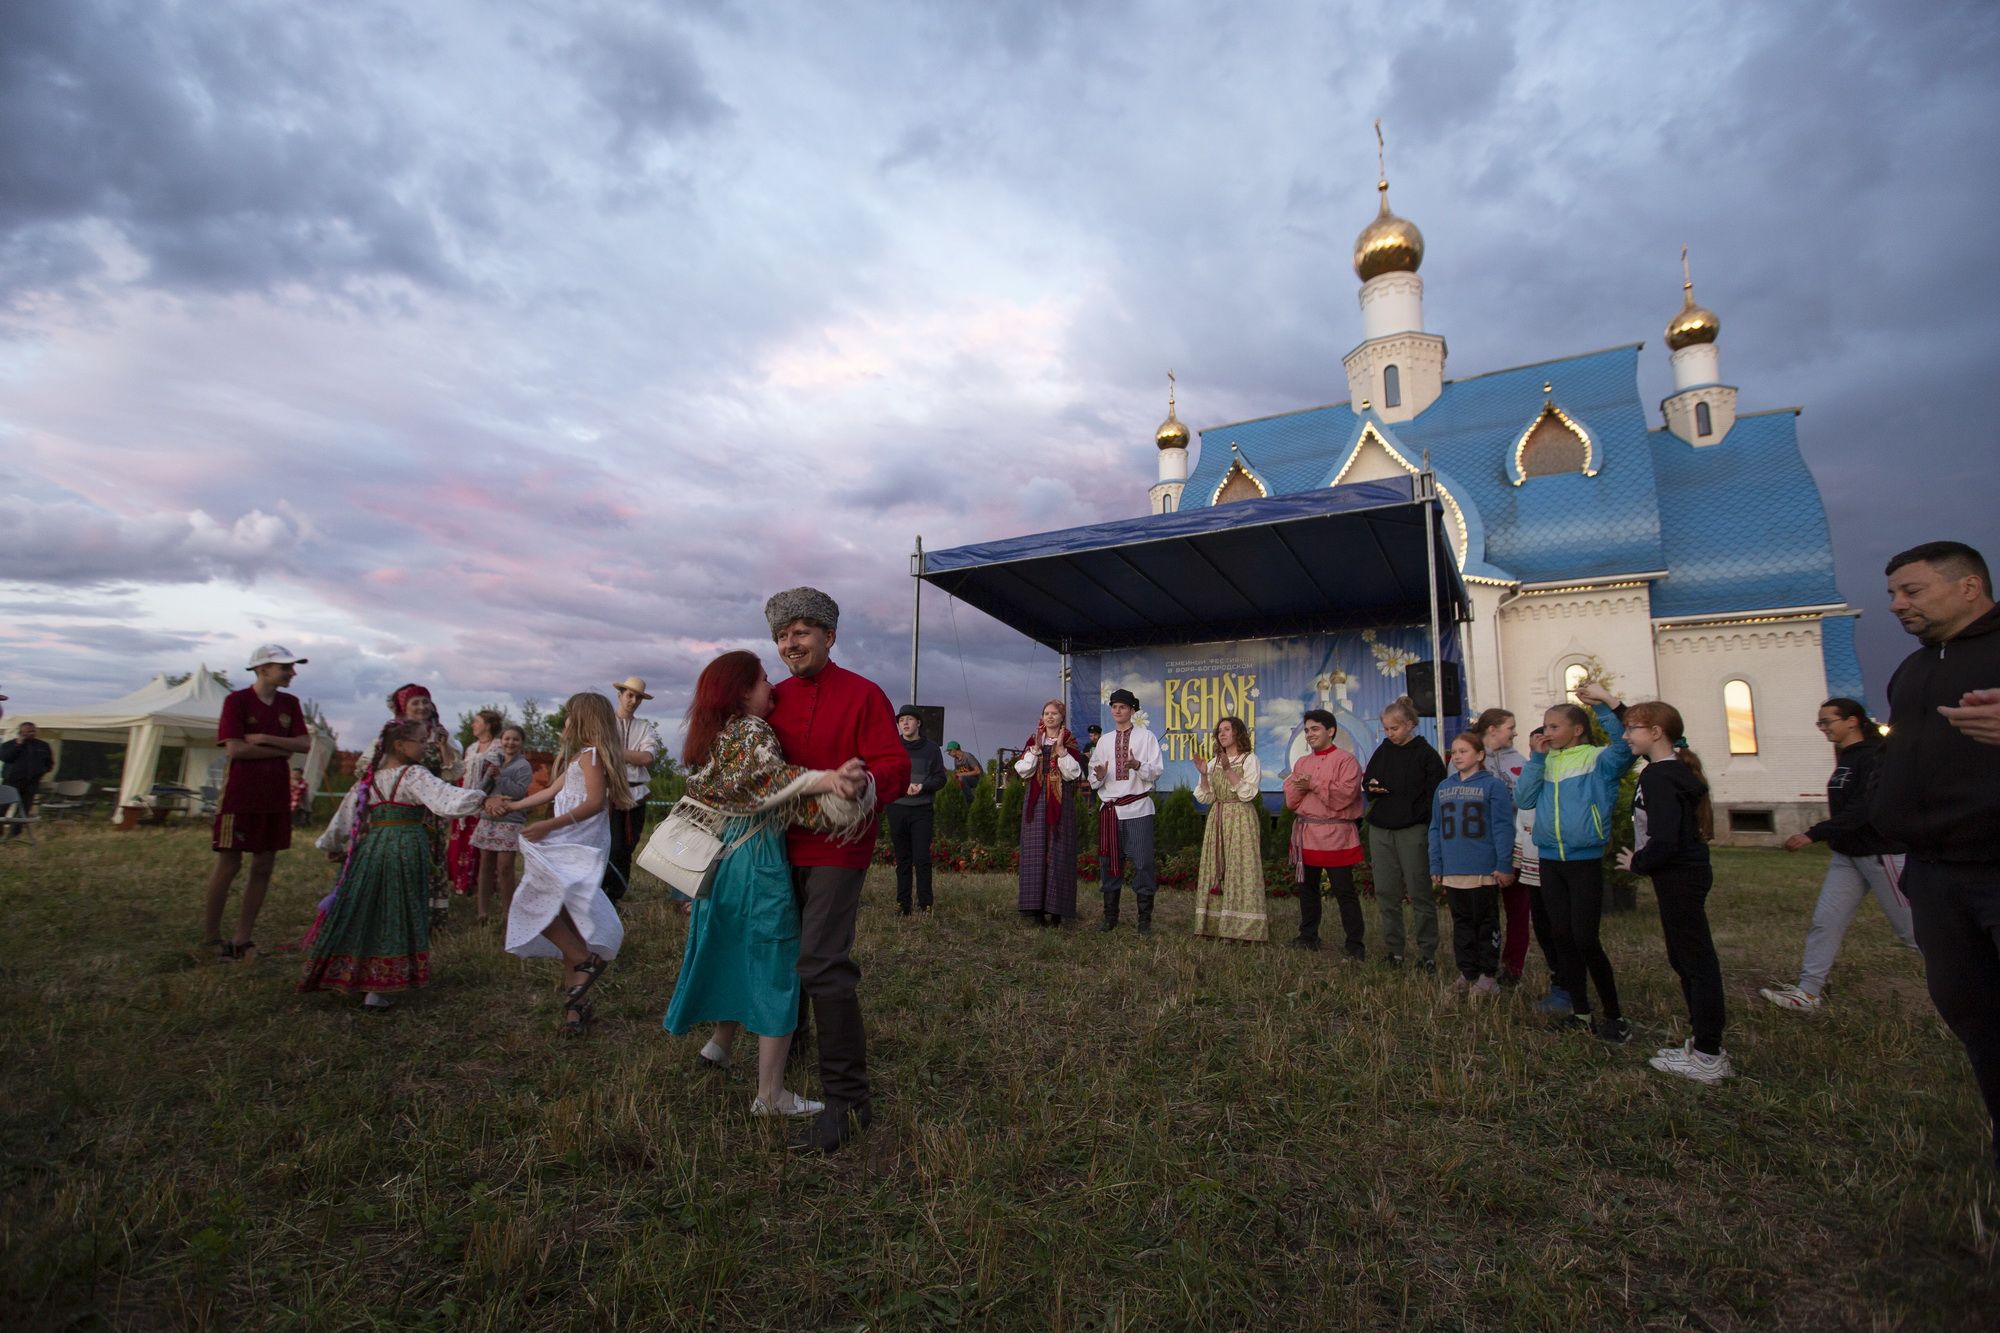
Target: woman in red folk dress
[{"x": 1052, "y": 764}]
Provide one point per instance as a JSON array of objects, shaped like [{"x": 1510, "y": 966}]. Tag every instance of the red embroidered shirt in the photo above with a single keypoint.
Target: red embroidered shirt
[{"x": 823, "y": 721}]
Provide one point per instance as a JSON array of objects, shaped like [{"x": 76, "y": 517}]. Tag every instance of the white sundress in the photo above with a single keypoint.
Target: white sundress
[{"x": 566, "y": 869}]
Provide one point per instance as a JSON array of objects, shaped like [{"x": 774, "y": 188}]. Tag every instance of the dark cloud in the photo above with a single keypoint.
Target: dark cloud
[
  {"x": 115, "y": 640},
  {"x": 68, "y": 544},
  {"x": 645, "y": 76}
]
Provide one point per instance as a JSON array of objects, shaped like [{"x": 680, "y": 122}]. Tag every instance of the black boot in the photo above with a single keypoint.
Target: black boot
[
  {"x": 831, "y": 1129},
  {"x": 1110, "y": 921},
  {"x": 1145, "y": 916}
]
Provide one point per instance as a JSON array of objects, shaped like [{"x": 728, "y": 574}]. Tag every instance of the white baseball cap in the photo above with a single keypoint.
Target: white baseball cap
[{"x": 274, "y": 653}]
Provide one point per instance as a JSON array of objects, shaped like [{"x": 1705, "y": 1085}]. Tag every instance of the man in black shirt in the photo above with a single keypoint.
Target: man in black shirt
[
  {"x": 1937, "y": 791},
  {"x": 27, "y": 759}
]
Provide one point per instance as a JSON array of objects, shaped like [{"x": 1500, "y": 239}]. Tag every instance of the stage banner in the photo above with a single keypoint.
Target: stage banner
[{"x": 1185, "y": 689}]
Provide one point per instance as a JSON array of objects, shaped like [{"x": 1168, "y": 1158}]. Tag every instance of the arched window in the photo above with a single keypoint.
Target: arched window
[
  {"x": 1169, "y": 503},
  {"x": 1573, "y": 676},
  {"x": 1552, "y": 446},
  {"x": 1702, "y": 423},
  {"x": 1740, "y": 709},
  {"x": 1392, "y": 387}
]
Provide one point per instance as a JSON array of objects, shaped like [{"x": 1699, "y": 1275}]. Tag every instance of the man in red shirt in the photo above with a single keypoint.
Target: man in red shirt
[
  {"x": 826, "y": 716},
  {"x": 261, "y": 728}
]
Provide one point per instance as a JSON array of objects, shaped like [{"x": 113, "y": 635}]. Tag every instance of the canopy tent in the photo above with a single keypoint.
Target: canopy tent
[
  {"x": 160, "y": 715},
  {"x": 1369, "y": 553}
]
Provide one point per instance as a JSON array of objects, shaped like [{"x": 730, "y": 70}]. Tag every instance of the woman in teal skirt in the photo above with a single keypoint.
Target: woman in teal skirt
[
  {"x": 373, "y": 938},
  {"x": 740, "y": 968}
]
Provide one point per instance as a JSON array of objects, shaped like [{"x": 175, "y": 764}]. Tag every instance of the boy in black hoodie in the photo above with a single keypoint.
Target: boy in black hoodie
[
  {"x": 911, "y": 815},
  {"x": 1671, "y": 824},
  {"x": 1937, "y": 791}
]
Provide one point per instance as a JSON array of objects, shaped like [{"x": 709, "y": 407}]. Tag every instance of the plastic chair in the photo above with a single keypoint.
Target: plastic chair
[
  {"x": 11, "y": 823},
  {"x": 69, "y": 795}
]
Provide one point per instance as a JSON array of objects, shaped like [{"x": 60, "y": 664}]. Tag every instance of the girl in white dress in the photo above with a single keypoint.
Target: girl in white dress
[{"x": 560, "y": 909}]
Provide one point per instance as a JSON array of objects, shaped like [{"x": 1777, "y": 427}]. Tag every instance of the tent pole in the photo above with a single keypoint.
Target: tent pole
[
  {"x": 1430, "y": 566},
  {"x": 917, "y": 615}
]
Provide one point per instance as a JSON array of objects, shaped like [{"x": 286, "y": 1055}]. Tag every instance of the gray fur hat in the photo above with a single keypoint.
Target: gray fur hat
[{"x": 807, "y": 604}]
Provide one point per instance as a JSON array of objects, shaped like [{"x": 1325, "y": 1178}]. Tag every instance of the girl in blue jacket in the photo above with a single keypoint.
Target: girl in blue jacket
[
  {"x": 1573, "y": 788},
  {"x": 1472, "y": 858}
]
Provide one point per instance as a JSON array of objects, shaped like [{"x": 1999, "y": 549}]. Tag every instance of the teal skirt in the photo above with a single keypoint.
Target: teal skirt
[
  {"x": 377, "y": 934},
  {"x": 742, "y": 958}
]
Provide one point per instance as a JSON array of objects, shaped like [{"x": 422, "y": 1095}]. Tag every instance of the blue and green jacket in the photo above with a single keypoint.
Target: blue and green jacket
[{"x": 1574, "y": 792}]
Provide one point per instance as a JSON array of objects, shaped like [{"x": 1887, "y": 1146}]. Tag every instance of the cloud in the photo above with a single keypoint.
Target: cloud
[
  {"x": 645, "y": 76},
  {"x": 68, "y": 544}
]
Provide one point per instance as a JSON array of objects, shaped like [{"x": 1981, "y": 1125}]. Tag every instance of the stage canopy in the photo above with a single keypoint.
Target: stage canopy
[{"x": 1339, "y": 558}]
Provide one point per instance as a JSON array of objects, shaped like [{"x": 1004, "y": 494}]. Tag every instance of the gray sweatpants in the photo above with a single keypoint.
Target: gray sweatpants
[
  {"x": 1849, "y": 879},
  {"x": 1400, "y": 860}
]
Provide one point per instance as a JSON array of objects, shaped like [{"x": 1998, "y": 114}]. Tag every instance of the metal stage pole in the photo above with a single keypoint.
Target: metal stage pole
[
  {"x": 917, "y": 615},
  {"x": 1428, "y": 484}
]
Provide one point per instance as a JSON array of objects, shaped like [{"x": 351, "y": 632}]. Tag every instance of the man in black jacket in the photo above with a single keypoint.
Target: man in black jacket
[
  {"x": 911, "y": 815},
  {"x": 1937, "y": 791},
  {"x": 28, "y": 759}
]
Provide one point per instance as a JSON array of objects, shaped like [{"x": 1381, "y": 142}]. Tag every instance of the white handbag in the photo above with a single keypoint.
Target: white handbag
[{"x": 686, "y": 848}]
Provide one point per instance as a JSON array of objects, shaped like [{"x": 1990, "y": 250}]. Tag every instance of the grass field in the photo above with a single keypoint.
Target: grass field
[{"x": 1073, "y": 1131}]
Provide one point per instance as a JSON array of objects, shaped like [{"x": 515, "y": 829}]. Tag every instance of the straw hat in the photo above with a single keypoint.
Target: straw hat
[{"x": 636, "y": 684}]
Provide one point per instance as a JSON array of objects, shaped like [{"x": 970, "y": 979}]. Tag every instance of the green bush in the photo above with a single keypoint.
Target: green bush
[
  {"x": 981, "y": 820},
  {"x": 1179, "y": 824},
  {"x": 1009, "y": 831},
  {"x": 950, "y": 811}
]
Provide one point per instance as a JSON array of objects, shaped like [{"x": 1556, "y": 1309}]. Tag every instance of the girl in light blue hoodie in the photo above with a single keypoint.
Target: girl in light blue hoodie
[{"x": 1573, "y": 788}]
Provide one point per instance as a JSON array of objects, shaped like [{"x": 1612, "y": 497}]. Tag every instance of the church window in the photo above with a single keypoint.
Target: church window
[
  {"x": 1702, "y": 423},
  {"x": 1552, "y": 446},
  {"x": 1168, "y": 504},
  {"x": 1740, "y": 710},
  {"x": 1238, "y": 485},
  {"x": 1574, "y": 675},
  {"x": 1392, "y": 387}
]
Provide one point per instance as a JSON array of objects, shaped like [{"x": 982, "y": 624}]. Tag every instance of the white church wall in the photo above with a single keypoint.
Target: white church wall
[
  {"x": 1782, "y": 663},
  {"x": 1483, "y": 685},
  {"x": 1542, "y": 633}
]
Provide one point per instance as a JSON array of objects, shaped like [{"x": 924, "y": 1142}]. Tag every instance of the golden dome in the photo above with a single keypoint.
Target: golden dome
[
  {"x": 1389, "y": 244},
  {"x": 1171, "y": 434},
  {"x": 1694, "y": 324}
]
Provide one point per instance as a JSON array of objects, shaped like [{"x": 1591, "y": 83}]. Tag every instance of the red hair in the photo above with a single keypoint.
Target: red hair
[{"x": 718, "y": 700}]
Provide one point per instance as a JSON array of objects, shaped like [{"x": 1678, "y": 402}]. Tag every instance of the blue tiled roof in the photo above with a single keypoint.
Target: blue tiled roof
[
  {"x": 1550, "y": 527},
  {"x": 1742, "y": 521},
  {"x": 1843, "y": 664}
]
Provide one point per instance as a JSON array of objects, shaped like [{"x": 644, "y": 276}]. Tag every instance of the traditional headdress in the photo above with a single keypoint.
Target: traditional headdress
[
  {"x": 807, "y": 604},
  {"x": 400, "y": 700}
]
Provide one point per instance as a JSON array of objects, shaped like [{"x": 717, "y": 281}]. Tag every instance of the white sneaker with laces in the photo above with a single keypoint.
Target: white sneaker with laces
[
  {"x": 1790, "y": 997},
  {"x": 787, "y": 1103},
  {"x": 1687, "y": 1062}
]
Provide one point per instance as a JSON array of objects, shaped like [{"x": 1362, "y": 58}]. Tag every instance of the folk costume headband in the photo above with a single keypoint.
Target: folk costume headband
[
  {"x": 400, "y": 700},
  {"x": 807, "y": 604}
]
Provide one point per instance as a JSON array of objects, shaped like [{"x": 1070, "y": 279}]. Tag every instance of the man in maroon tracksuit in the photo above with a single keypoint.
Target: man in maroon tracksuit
[{"x": 825, "y": 716}]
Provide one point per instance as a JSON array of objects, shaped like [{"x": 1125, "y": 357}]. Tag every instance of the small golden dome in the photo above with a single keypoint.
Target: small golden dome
[
  {"x": 1171, "y": 434},
  {"x": 1694, "y": 324},
  {"x": 1389, "y": 244}
]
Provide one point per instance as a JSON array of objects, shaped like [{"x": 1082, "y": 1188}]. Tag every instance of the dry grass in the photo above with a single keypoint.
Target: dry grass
[{"x": 1075, "y": 1132}]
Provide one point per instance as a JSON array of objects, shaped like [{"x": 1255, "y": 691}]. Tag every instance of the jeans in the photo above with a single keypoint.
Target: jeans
[
  {"x": 1401, "y": 861},
  {"x": 1339, "y": 883},
  {"x": 1682, "y": 893},
  {"x": 1573, "y": 891},
  {"x": 1955, "y": 907},
  {"x": 910, "y": 834},
  {"x": 1849, "y": 879}
]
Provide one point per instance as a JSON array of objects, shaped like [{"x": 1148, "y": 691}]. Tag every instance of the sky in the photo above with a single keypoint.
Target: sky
[{"x": 515, "y": 347}]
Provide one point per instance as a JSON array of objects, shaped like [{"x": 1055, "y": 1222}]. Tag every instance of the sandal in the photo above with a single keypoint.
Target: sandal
[
  {"x": 592, "y": 968},
  {"x": 221, "y": 950},
  {"x": 577, "y": 1012}
]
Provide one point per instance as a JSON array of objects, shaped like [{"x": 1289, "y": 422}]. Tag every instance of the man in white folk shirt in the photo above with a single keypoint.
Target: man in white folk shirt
[
  {"x": 641, "y": 740},
  {"x": 1124, "y": 765}
]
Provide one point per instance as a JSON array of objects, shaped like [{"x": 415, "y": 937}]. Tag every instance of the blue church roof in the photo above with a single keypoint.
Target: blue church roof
[{"x": 1737, "y": 525}]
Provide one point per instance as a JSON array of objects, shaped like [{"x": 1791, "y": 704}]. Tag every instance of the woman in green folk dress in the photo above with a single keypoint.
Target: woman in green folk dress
[
  {"x": 1229, "y": 891},
  {"x": 373, "y": 939}
]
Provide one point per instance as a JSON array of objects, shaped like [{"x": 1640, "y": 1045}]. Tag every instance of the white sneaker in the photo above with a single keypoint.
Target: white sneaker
[
  {"x": 1790, "y": 997},
  {"x": 788, "y": 1103},
  {"x": 1690, "y": 1063}
]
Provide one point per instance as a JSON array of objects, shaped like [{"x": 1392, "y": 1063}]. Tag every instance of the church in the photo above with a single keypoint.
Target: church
[{"x": 1688, "y": 561}]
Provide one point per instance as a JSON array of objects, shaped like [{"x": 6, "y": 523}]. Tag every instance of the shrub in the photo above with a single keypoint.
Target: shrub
[
  {"x": 981, "y": 820},
  {"x": 1179, "y": 823},
  {"x": 949, "y": 811},
  {"x": 1008, "y": 832}
]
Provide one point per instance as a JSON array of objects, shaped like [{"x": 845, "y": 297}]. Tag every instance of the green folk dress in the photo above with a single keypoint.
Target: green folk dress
[
  {"x": 742, "y": 954},
  {"x": 375, "y": 936},
  {"x": 1229, "y": 889}
]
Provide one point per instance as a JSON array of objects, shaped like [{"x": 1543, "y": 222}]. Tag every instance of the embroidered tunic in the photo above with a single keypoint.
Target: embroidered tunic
[{"x": 1229, "y": 891}]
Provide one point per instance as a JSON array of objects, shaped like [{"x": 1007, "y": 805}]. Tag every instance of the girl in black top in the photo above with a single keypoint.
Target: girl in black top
[{"x": 1671, "y": 825}]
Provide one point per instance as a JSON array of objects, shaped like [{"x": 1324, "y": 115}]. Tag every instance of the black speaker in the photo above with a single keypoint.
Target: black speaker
[
  {"x": 1421, "y": 683},
  {"x": 931, "y": 723}
]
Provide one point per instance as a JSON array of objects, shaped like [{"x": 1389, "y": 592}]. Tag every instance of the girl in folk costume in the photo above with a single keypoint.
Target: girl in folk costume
[
  {"x": 374, "y": 937},
  {"x": 412, "y": 703},
  {"x": 1052, "y": 764},
  {"x": 740, "y": 967},
  {"x": 461, "y": 858},
  {"x": 1229, "y": 893},
  {"x": 1323, "y": 792},
  {"x": 560, "y": 909},
  {"x": 498, "y": 840}
]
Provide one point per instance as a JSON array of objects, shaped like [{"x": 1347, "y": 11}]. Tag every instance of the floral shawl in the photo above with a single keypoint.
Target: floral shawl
[
  {"x": 745, "y": 774},
  {"x": 1046, "y": 785}
]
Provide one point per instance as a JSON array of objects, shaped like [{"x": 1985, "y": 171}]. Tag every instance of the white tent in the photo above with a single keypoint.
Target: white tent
[{"x": 160, "y": 715}]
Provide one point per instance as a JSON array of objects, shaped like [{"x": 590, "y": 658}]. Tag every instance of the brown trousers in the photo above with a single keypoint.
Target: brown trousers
[{"x": 829, "y": 899}]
